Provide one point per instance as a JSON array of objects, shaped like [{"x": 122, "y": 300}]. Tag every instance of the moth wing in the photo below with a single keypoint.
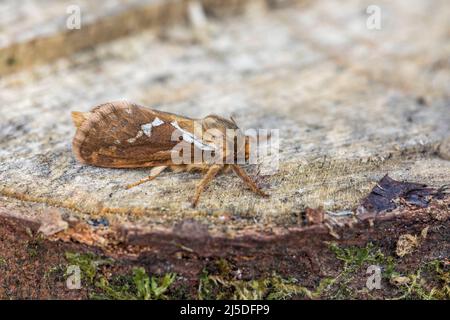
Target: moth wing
[{"x": 125, "y": 135}]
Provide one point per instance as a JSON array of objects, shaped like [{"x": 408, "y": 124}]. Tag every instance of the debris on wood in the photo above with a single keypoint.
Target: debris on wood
[
  {"x": 406, "y": 244},
  {"x": 386, "y": 194},
  {"x": 52, "y": 222},
  {"x": 314, "y": 216}
]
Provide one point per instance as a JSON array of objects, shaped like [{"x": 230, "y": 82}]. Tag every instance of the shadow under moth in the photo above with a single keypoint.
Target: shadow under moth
[{"x": 126, "y": 135}]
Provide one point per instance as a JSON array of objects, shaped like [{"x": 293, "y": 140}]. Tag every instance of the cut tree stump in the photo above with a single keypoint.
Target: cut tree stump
[{"x": 352, "y": 105}]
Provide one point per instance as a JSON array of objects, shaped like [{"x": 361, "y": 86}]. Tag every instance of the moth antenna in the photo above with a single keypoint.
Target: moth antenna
[{"x": 78, "y": 118}]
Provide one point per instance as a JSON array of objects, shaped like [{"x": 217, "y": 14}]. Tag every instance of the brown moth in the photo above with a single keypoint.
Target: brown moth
[{"x": 126, "y": 135}]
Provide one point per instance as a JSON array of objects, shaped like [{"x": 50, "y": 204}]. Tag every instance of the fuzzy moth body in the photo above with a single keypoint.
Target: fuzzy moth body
[{"x": 126, "y": 135}]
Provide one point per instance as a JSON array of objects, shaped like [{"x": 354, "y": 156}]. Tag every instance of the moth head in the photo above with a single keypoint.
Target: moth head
[
  {"x": 216, "y": 127},
  {"x": 216, "y": 122}
]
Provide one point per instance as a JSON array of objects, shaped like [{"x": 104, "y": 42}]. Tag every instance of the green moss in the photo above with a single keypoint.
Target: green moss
[
  {"x": 151, "y": 287},
  {"x": 345, "y": 285},
  {"x": 57, "y": 270},
  {"x": 349, "y": 283},
  {"x": 415, "y": 289},
  {"x": 2, "y": 262},
  {"x": 205, "y": 287},
  {"x": 138, "y": 286},
  {"x": 355, "y": 258},
  {"x": 389, "y": 269},
  {"x": 224, "y": 286},
  {"x": 223, "y": 267},
  {"x": 323, "y": 287},
  {"x": 88, "y": 263},
  {"x": 435, "y": 286},
  {"x": 118, "y": 288},
  {"x": 219, "y": 287},
  {"x": 281, "y": 289},
  {"x": 430, "y": 281},
  {"x": 35, "y": 245},
  {"x": 442, "y": 276}
]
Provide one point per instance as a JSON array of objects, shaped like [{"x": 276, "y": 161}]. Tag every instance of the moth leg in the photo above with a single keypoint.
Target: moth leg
[
  {"x": 153, "y": 174},
  {"x": 247, "y": 180},
  {"x": 212, "y": 172}
]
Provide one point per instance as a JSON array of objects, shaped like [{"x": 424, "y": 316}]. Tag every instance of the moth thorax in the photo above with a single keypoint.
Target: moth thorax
[
  {"x": 79, "y": 117},
  {"x": 213, "y": 121}
]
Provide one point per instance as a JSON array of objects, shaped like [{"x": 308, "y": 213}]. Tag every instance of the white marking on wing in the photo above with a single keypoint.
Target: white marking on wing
[
  {"x": 147, "y": 129},
  {"x": 157, "y": 122},
  {"x": 138, "y": 135},
  {"x": 189, "y": 137}
]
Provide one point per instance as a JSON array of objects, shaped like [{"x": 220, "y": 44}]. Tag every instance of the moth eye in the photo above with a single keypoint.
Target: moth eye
[{"x": 180, "y": 138}]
